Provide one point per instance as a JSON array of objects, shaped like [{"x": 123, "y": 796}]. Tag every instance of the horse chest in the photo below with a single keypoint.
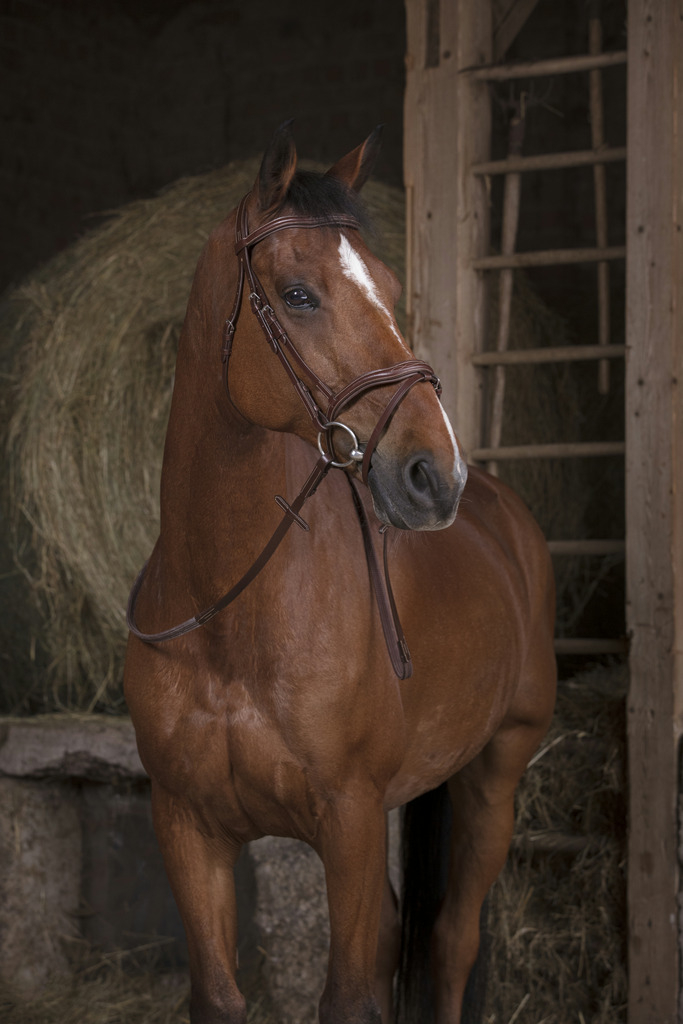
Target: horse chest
[{"x": 263, "y": 757}]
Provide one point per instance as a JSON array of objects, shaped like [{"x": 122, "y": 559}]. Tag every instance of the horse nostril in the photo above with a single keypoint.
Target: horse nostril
[{"x": 421, "y": 480}]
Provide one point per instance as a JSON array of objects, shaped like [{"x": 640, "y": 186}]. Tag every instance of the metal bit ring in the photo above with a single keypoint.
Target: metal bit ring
[{"x": 355, "y": 455}]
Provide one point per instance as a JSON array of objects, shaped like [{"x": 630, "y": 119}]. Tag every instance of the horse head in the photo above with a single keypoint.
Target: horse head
[{"x": 345, "y": 374}]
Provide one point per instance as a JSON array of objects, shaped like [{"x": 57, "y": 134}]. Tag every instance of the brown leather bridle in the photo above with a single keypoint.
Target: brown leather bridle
[{"x": 405, "y": 374}]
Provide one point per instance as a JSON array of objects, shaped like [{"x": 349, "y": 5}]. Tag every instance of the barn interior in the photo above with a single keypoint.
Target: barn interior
[{"x": 109, "y": 104}]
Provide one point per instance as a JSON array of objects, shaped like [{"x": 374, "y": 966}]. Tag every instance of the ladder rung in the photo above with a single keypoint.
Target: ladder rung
[
  {"x": 587, "y": 547},
  {"x": 577, "y": 449},
  {"x": 565, "y": 354},
  {"x": 550, "y": 258},
  {"x": 590, "y": 645},
  {"x": 548, "y": 66},
  {"x": 551, "y": 161}
]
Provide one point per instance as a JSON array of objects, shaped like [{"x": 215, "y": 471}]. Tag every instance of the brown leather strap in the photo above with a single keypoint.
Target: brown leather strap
[
  {"x": 411, "y": 372},
  {"x": 384, "y": 375},
  {"x": 397, "y": 646},
  {"x": 250, "y": 239},
  {"x": 394, "y": 637},
  {"x": 291, "y": 516}
]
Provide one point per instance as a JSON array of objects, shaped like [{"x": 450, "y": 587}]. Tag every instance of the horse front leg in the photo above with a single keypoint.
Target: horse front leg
[
  {"x": 200, "y": 869},
  {"x": 388, "y": 951},
  {"x": 353, "y": 850}
]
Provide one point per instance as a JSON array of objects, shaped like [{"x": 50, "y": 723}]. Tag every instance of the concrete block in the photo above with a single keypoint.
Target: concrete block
[
  {"x": 291, "y": 914},
  {"x": 290, "y": 911},
  {"x": 40, "y": 879},
  {"x": 127, "y": 901},
  {"x": 100, "y": 748}
]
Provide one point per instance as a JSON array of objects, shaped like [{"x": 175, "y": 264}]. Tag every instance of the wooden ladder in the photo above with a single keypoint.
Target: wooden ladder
[{"x": 495, "y": 362}]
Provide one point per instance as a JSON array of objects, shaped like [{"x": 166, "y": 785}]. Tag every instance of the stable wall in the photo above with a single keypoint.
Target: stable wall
[{"x": 106, "y": 102}]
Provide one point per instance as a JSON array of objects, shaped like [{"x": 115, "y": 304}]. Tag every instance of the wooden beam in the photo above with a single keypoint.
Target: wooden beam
[
  {"x": 600, "y": 189},
  {"x": 547, "y": 66},
  {"x": 552, "y": 161},
  {"x": 570, "y": 450},
  {"x": 591, "y": 645},
  {"x": 586, "y": 547},
  {"x": 654, "y": 500},
  {"x": 447, "y": 130},
  {"x": 561, "y": 354},
  {"x": 549, "y": 258},
  {"x": 512, "y": 195}
]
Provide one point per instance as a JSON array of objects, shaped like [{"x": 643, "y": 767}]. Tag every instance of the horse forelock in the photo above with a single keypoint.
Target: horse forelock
[{"x": 312, "y": 194}]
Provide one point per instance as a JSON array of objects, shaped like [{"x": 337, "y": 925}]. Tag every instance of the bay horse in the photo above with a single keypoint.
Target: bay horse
[{"x": 293, "y": 706}]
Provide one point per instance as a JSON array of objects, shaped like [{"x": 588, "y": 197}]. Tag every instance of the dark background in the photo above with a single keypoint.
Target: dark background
[{"x": 104, "y": 102}]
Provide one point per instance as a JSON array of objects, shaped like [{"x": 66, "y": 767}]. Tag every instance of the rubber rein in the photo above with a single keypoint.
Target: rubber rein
[{"x": 405, "y": 374}]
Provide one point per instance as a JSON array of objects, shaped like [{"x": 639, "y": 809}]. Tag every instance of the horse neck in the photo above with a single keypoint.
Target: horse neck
[{"x": 219, "y": 471}]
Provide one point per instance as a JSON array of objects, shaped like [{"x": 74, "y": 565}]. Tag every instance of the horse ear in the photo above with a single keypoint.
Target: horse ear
[
  {"x": 277, "y": 168},
  {"x": 355, "y": 168}
]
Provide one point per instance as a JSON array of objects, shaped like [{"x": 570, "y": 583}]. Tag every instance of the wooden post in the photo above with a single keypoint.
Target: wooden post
[
  {"x": 447, "y": 130},
  {"x": 654, "y": 474},
  {"x": 600, "y": 189},
  {"x": 511, "y": 201}
]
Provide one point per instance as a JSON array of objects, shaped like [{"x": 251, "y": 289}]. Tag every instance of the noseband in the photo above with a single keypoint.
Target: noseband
[{"x": 325, "y": 420}]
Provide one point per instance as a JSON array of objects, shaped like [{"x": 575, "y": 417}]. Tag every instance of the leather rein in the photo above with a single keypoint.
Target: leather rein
[{"x": 405, "y": 374}]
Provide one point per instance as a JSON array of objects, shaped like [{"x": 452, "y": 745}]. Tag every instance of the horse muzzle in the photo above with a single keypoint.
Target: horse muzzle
[{"x": 416, "y": 493}]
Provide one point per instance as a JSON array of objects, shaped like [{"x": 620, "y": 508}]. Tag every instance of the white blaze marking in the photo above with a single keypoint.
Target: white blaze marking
[
  {"x": 459, "y": 465},
  {"x": 353, "y": 267}
]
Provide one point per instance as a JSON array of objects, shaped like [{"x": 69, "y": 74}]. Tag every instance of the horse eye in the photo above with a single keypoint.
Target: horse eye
[{"x": 298, "y": 298}]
